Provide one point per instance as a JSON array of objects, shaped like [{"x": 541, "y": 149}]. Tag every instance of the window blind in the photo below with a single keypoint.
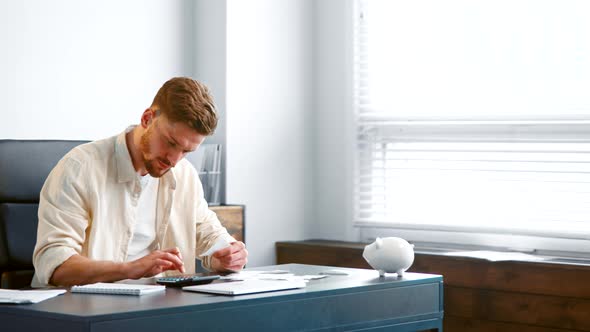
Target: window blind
[{"x": 473, "y": 117}]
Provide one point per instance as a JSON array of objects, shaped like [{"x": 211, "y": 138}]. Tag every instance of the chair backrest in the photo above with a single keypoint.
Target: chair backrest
[{"x": 24, "y": 166}]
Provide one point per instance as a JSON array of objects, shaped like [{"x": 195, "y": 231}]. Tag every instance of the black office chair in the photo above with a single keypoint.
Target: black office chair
[{"x": 24, "y": 166}]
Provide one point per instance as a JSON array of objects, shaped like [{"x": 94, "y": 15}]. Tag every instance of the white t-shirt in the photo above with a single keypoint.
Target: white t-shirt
[{"x": 144, "y": 233}]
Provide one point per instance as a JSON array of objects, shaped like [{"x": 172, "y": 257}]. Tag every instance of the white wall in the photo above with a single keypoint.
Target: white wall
[
  {"x": 269, "y": 106},
  {"x": 333, "y": 54},
  {"x": 86, "y": 69},
  {"x": 209, "y": 63}
]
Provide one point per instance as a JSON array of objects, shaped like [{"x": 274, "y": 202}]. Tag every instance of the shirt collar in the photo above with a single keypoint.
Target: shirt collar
[{"x": 125, "y": 170}]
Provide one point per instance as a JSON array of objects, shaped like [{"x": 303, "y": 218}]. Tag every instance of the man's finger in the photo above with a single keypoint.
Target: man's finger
[
  {"x": 234, "y": 247},
  {"x": 238, "y": 245},
  {"x": 173, "y": 250},
  {"x": 161, "y": 265},
  {"x": 233, "y": 260},
  {"x": 174, "y": 259},
  {"x": 167, "y": 266},
  {"x": 171, "y": 257}
]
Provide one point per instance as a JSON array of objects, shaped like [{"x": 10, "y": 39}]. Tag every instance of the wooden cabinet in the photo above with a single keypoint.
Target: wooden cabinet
[
  {"x": 232, "y": 218},
  {"x": 480, "y": 296}
]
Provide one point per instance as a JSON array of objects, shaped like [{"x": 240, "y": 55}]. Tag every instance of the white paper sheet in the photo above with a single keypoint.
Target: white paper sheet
[
  {"x": 28, "y": 296},
  {"x": 220, "y": 244},
  {"x": 496, "y": 256}
]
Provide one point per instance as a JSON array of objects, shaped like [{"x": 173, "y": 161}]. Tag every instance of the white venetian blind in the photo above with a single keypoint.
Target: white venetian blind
[{"x": 473, "y": 116}]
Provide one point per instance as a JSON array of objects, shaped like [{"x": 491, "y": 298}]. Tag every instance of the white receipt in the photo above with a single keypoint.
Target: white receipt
[
  {"x": 335, "y": 272},
  {"x": 313, "y": 276},
  {"x": 220, "y": 244}
]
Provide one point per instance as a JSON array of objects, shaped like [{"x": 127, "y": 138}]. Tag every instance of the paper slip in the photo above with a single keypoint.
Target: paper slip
[
  {"x": 243, "y": 275},
  {"x": 271, "y": 275},
  {"x": 275, "y": 272},
  {"x": 496, "y": 256},
  {"x": 28, "y": 296},
  {"x": 289, "y": 276},
  {"x": 220, "y": 244},
  {"x": 313, "y": 276},
  {"x": 263, "y": 276},
  {"x": 334, "y": 272}
]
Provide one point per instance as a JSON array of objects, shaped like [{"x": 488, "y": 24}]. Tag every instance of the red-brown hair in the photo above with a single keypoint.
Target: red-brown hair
[{"x": 182, "y": 99}]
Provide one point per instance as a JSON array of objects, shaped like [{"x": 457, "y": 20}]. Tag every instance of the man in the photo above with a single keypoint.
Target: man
[{"x": 130, "y": 206}]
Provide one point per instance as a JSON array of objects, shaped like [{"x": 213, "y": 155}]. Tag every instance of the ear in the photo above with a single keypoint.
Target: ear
[
  {"x": 147, "y": 117},
  {"x": 379, "y": 243}
]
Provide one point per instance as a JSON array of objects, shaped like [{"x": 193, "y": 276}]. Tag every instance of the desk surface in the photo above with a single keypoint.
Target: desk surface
[{"x": 358, "y": 300}]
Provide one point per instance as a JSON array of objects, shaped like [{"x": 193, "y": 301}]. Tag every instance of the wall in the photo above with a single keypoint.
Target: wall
[
  {"x": 86, "y": 69},
  {"x": 209, "y": 63},
  {"x": 269, "y": 120},
  {"x": 333, "y": 54}
]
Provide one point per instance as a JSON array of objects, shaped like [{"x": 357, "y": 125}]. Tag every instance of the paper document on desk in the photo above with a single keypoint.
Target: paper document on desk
[
  {"x": 245, "y": 275},
  {"x": 250, "y": 286},
  {"x": 495, "y": 256},
  {"x": 28, "y": 296}
]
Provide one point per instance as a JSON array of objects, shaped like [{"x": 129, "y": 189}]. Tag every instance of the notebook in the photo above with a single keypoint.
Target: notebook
[
  {"x": 118, "y": 289},
  {"x": 248, "y": 286}
]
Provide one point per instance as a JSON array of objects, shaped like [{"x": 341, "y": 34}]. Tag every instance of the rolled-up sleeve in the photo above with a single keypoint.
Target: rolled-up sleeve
[
  {"x": 209, "y": 231},
  {"x": 63, "y": 219}
]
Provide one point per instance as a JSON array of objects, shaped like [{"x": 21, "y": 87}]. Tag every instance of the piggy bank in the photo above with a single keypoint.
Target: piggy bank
[{"x": 389, "y": 255}]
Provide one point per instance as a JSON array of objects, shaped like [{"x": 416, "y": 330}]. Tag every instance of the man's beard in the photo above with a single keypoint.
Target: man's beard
[
  {"x": 153, "y": 170},
  {"x": 150, "y": 164}
]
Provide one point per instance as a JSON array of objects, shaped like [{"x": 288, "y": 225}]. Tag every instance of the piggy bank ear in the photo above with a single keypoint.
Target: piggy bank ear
[{"x": 378, "y": 243}]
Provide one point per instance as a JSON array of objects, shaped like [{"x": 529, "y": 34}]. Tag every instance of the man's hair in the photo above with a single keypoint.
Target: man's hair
[{"x": 182, "y": 99}]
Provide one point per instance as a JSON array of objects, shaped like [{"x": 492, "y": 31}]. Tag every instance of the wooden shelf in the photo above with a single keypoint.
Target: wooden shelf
[{"x": 232, "y": 218}]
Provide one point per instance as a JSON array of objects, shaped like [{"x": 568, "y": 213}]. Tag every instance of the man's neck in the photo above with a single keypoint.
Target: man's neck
[{"x": 133, "y": 140}]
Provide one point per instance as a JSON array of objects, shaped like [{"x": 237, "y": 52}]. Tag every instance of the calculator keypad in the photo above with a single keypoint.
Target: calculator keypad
[{"x": 186, "y": 280}]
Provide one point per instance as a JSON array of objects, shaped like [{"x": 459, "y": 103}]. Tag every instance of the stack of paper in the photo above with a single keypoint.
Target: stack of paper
[
  {"x": 252, "y": 281},
  {"x": 27, "y": 296}
]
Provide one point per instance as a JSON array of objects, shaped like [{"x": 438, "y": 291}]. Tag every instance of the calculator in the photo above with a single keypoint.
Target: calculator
[{"x": 186, "y": 280}]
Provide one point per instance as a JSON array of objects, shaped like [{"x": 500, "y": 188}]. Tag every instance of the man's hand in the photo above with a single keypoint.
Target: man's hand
[
  {"x": 155, "y": 263},
  {"x": 80, "y": 270},
  {"x": 232, "y": 258}
]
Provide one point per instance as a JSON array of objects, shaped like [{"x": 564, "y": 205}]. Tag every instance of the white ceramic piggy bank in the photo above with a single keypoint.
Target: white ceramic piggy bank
[{"x": 389, "y": 255}]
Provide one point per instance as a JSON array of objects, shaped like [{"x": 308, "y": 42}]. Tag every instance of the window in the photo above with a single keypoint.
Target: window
[{"x": 473, "y": 122}]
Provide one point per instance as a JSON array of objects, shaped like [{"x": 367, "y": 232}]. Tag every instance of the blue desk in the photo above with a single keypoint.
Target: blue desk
[{"x": 360, "y": 300}]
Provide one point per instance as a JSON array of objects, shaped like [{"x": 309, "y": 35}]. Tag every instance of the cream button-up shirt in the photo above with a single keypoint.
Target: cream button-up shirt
[{"x": 88, "y": 206}]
